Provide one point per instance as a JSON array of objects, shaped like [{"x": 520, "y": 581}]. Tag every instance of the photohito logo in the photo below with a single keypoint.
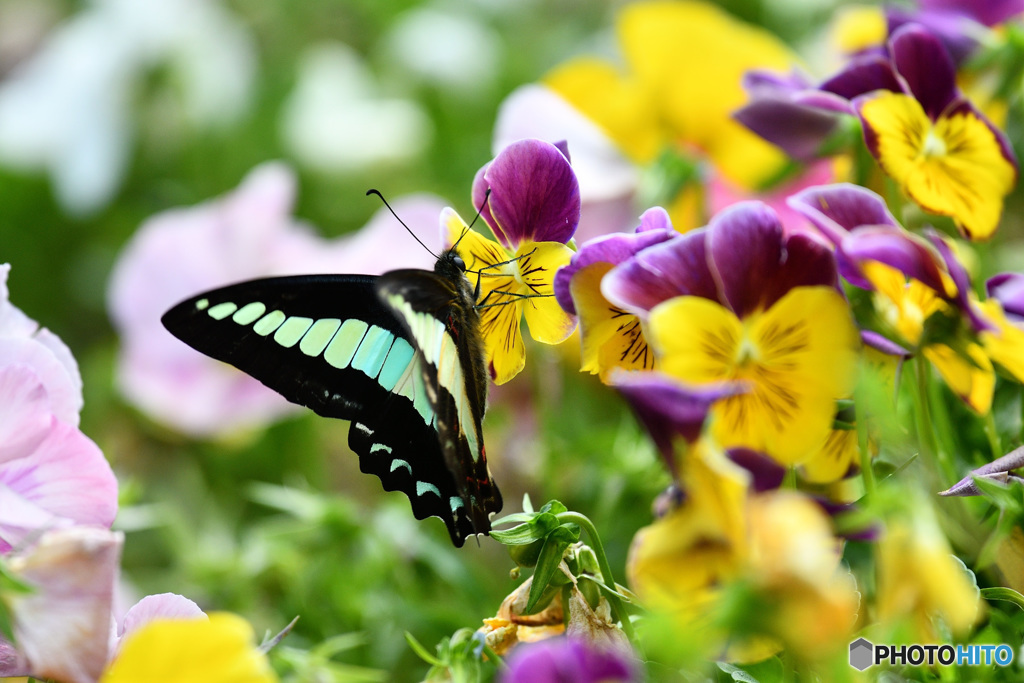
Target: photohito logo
[{"x": 864, "y": 653}]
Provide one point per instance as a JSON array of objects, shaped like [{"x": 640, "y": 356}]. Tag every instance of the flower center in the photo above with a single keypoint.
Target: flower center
[{"x": 934, "y": 146}]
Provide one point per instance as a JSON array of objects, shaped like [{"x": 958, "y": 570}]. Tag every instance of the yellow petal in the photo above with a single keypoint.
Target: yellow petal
[
  {"x": 537, "y": 263},
  {"x": 610, "y": 337},
  {"x": 798, "y": 357},
  {"x": 503, "y": 341},
  {"x": 220, "y": 649},
  {"x": 953, "y": 168},
  {"x": 840, "y": 451},
  {"x": 973, "y": 383},
  {"x": 859, "y": 27},
  {"x": 1006, "y": 345},
  {"x": 618, "y": 104},
  {"x": 690, "y": 58}
]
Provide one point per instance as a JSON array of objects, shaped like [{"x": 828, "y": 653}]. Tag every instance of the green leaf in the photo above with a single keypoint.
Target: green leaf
[
  {"x": 421, "y": 651},
  {"x": 547, "y": 564},
  {"x": 554, "y": 507},
  {"x": 1003, "y": 496},
  {"x": 768, "y": 671},
  {"x": 1004, "y": 594}
]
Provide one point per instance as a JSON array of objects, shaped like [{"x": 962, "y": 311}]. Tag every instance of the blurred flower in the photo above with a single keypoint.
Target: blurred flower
[
  {"x": 62, "y": 627},
  {"x": 610, "y": 337},
  {"x": 739, "y": 301},
  {"x": 919, "y": 578},
  {"x": 914, "y": 279},
  {"x": 220, "y": 649},
  {"x": 532, "y": 209},
  {"x": 23, "y": 342},
  {"x": 666, "y": 111},
  {"x": 51, "y": 475},
  {"x": 67, "y": 110},
  {"x": 466, "y": 60},
  {"x": 247, "y": 233},
  {"x": 941, "y": 151},
  {"x": 335, "y": 119},
  {"x": 151, "y": 608},
  {"x": 568, "y": 659}
]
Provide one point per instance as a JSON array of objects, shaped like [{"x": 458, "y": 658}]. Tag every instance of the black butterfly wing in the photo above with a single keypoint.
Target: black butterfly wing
[
  {"x": 328, "y": 343},
  {"x": 437, "y": 310}
]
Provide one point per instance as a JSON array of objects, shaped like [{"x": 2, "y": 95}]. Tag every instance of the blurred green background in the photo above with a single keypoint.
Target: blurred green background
[{"x": 280, "y": 523}]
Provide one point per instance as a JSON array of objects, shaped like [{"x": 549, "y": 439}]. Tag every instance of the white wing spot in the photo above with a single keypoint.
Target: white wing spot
[
  {"x": 378, "y": 447},
  {"x": 423, "y": 487},
  {"x": 398, "y": 462},
  {"x": 363, "y": 428},
  {"x": 202, "y": 304}
]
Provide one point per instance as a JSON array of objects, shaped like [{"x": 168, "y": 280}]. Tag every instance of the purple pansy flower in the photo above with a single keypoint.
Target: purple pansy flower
[
  {"x": 959, "y": 24},
  {"x": 997, "y": 470},
  {"x": 1008, "y": 289},
  {"x": 568, "y": 660},
  {"x": 707, "y": 263},
  {"x": 534, "y": 194},
  {"x": 610, "y": 337},
  {"x": 533, "y": 208}
]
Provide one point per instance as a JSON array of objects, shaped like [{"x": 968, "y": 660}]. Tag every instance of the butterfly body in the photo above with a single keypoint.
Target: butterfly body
[{"x": 399, "y": 355}]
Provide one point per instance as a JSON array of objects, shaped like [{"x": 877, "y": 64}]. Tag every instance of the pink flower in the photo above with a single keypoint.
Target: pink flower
[
  {"x": 248, "y": 233},
  {"x": 51, "y": 475}
]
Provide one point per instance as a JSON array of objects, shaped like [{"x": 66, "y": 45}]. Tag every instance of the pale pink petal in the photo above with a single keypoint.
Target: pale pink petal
[
  {"x": 66, "y": 476},
  {"x": 25, "y": 416},
  {"x": 63, "y": 390},
  {"x": 13, "y": 323},
  {"x": 160, "y": 606},
  {"x": 63, "y": 627}
]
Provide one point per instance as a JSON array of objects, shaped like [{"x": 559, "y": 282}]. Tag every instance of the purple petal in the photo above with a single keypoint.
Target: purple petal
[
  {"x": 962, "y": 280},
  {"x": 655, "y": 218},
  {"x": 1008, "y": 289},
  {"x": 556, "y": 660},
  {"x": 675, "y": 267},
  {"x": 863, "y": 75},
  {"x": 767, "y": 475},
  {"x": 883, "y": 345},
  {"x": 760, "y": 81},
  {"x": 799, "y": 130},
  {"x": 667, "y": 408},
  {"x": 837, "y": 209},
  {"x": 13, "y": 323},
  {"x": 987, "y": 12},
  {"x": 613, "y": 249},
  {"x": 993, "y": 470},
  {"x": 960, "y": 34},
  {"x": 534, "y": 194},
  {"x": 481, "y": 200},
  {"x": 745, "y": 249},
  {"x": 755, "y": 265},
  {"x": 12, "y": 662},
  {"x": 926, "y": 66},
  {"x": 905, "y": 252}
]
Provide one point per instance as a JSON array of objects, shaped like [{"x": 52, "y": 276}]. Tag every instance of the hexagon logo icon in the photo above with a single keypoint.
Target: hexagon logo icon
[{"x": 861, "y": 654}]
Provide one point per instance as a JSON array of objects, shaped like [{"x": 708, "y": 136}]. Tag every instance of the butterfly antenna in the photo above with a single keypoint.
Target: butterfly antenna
[
  {"x": 465, "y": 232},
  {"x": 377, "y": 192}
]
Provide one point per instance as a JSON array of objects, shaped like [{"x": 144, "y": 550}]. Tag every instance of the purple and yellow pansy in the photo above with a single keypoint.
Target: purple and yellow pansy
[{"x": 529, "y": 197}]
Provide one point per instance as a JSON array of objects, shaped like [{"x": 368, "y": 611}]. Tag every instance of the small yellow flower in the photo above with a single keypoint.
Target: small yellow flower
[
  {"x": 220, "y": 649},
  {"x": 919, "y": 578}
]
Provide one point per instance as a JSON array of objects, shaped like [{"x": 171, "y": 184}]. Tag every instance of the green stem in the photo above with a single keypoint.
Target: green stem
[
  {"x": 606, "y": 569},
  {"x": 925, "y": 435},
  {"x": 993, "y": 436},
  {"x": 863, "y": 443}
]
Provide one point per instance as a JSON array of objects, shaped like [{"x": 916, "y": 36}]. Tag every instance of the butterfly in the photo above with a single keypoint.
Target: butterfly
[{"x": 399, "y": 355}]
